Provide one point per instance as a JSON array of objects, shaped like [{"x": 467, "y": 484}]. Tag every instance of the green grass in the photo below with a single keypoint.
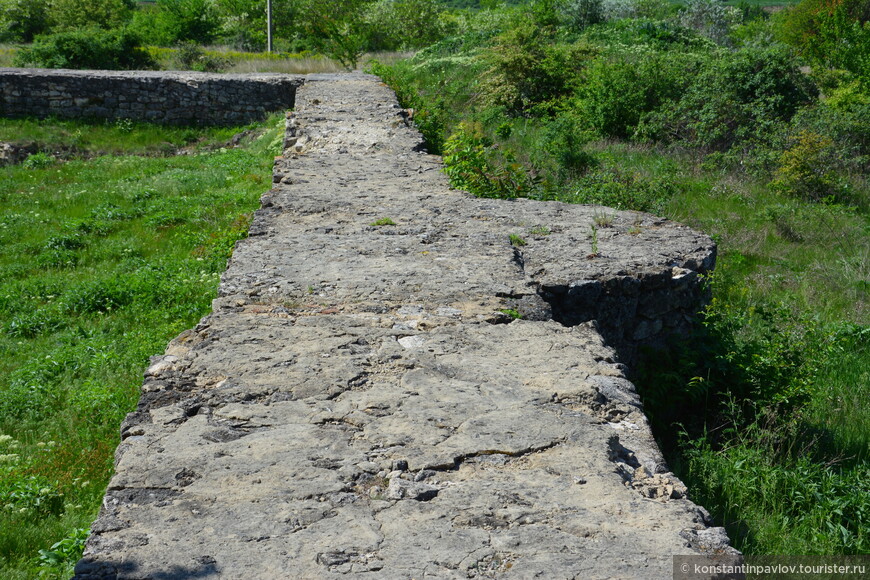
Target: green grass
[
  {"x": 121, "y": 137},
  {"x": 784, "y": 463},
  {"x": 102, "y": 261}
]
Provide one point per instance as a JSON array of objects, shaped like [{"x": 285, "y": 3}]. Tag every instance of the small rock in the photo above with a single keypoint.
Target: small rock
[
  {"x": 368, "y": 466},
  {"x": 412, "y": 341},
  {"x": 424, "y": 474},
  {"x": 404, "y": 489},
  {"x": 642, "y": 473},
  {"x": 448, "y": 311}
]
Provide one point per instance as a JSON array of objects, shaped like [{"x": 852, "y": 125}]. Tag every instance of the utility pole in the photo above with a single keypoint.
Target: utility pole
[{"x": 269, "y": 26}]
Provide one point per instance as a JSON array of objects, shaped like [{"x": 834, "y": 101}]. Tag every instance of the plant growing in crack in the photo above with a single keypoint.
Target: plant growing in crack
[
  {"x": 603, "y": 219},
  {"x": 384, "y": 221},
  {"x": 594, "y": 242},
  {"x": 512, "y": 313},
  {"x": 540, "y": 231},
  {"x": 517, "y": 241}
]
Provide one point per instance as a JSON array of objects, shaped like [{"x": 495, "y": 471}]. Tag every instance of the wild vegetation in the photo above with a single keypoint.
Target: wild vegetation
[
  {"x": 114, "y": 34},
  {"x": 112, "y": 239},
  {"x": 750, "y": 126}
]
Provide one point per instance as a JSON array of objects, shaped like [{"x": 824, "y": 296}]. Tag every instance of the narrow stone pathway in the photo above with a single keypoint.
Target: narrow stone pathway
[{"x": 362, "y": 404}]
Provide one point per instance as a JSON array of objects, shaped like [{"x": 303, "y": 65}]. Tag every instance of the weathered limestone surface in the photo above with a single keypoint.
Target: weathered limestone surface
[
  {"x": 357, "y": 406},
  {"x": 172, "y": 98}
]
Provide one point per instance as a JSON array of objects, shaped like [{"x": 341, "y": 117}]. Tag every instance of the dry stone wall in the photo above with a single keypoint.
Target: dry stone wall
[
  {"x": 360, "y": 404},
  {"x": 172, "y": 98}
]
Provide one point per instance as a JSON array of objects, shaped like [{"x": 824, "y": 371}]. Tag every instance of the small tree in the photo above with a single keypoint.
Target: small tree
[
  {"x": 336, "y": 27},
  {"x": 192, "y": 20},
  {"x": 404, "y": 24},
  {"x": 76, "y": 14},
  {"x": 578, "y": 14},
  {"x": 711, "y": 19},
  {"x": 21, "y": 20}
]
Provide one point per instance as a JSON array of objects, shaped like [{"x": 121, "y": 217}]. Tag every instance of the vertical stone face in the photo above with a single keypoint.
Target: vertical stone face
[
  {"x": 360, "y": 404},
  {"x": 175, "y": 98}
]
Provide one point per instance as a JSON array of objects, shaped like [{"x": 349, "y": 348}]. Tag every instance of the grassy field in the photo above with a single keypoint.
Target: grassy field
[{"x": 107, "y": 251}]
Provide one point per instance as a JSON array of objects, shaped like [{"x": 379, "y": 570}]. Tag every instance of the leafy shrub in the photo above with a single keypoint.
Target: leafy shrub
[
  {"x": 578, "y": 14},
  {"x": 33, "y": 324},
  {"x": 99, "y": 296},
  {"x": 34, "y": 495},
  {"x": 65, "y": 242},
  {"x": 76, "y": 14},
  {"x": 22, "y": 20},
  {"x": 404, "y": 24},
  {"x": 653, "y": 9},
  {"x": 57, "y": 258},
  {"x": 100, "y": 403},
  {"x": 470, "y": 166},
  {"x": 86, "y": 49},
  {"x": 711, "y": 19},
  {"x": 807, "y": 168},
  {"x": 619, "y": 93},
  {"x": 831, "y": 33},
  {"x": 66, "y": 552},
  {"x": 741, "y": 96},
  {"x": 191, "y": 57},
  {"x": 336, "y": 28},
  {"x": 623, "y": 190},
  {"x": 190, "y": 20},
  {"x": 848, "y": 126},
  {"x": 527, "y": 72},
  {"x": 39, "y": 160},
  {"x": 564, "y": 140}
]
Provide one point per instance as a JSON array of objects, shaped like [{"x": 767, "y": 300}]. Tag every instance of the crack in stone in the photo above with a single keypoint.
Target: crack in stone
[{"x": 460, "y": 459}]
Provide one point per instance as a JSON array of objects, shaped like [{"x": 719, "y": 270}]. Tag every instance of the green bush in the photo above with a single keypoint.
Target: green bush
[
  {"x": 736, "y": 97},
  {"x": 404, "y": 24},
  {"x": 22, "y": 20},
  {"x": 564, "y": 140},
  {"x": 78, "y": 14},
  {"x": 34, "y": 496},
  {"x": 618, "y": 93},
  {"x": 64, "y": 554},
  {"x": 471, "y": 165},
  {"x": 578, "y": 14},
  {"x": 617, "y": 9},
  {"x": 169, "y": 22},
  {"x": 191, "y": 57},
  {"x": 527, "y": 72},
  {"x": 807, "y": 169},
  {"x": 711, "y": 19},
  {"x": 623, "y": 190},
  {"x": 90, "y": 48},
  {"x": 833, "y": 34}
]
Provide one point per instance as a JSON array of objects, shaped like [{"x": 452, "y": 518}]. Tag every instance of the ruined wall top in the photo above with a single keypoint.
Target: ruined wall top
[{"x": 361, "y": 403}]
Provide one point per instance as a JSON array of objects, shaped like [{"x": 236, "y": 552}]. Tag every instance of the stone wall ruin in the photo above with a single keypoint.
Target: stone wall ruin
[
  {"x": 171, "y": 98},
  {"x": 361, "y": 404}
]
